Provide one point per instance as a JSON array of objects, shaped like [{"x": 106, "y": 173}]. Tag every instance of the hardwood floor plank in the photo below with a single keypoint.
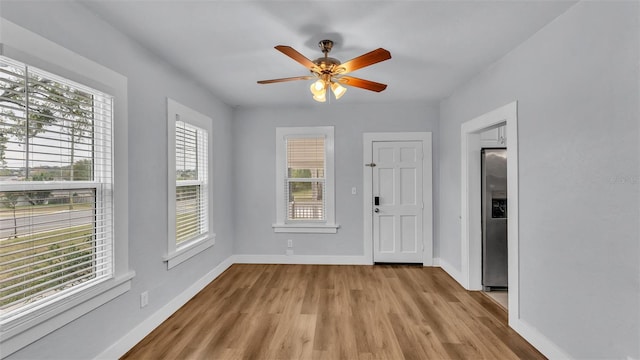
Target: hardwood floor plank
[
  {"x": 501, "y": 331},
  {"x": 403, "y": 331},
  {"x": 486, "y": 346},
  {"x": 430, "y": 343},
  {"x": 429, "y": 304},
  {"x": 220, "y": 336},
  {"x": 335, "y": 312},
  {"x": 459, "y": 351},
  {"x": 311, "y": 294},
  {"x": 402, "y": 293},
  {"x": 325, "y": 324},
  {"x": 293, "y": 340},
  {"x": 362, "y": 320},
  {"x": 258, "y": 335}
]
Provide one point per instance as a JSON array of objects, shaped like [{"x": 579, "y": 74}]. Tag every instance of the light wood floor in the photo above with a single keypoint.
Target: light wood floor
[{"x": 335, "y": 312}]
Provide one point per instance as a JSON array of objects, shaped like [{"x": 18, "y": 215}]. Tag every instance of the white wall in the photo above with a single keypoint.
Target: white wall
[
  {"x": 254, "y": 158},
  {"x": 576, "y": 83},
  {"x": 150, "y": 82}
]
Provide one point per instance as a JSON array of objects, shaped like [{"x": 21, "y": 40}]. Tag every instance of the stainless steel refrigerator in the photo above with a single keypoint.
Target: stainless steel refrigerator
[{"x": 494, "y": 219}]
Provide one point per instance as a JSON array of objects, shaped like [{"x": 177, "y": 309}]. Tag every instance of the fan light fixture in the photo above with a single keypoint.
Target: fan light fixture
[
  {"x": 319, "y": 90},
  {"x": 328, "y": 72}
]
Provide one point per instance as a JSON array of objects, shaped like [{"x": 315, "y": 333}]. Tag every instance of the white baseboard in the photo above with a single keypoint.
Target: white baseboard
[
  {"x": 449, "y": 269},
  {"x": 539, "y": 341},
  {"x": 300, "y": 259},
  {"x": 134, "y": 336}
]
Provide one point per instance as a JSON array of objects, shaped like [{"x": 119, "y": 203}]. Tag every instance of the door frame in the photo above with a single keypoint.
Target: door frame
[
  {"x": 471, "y": 214},
  {"x": 427, "y": 189}
]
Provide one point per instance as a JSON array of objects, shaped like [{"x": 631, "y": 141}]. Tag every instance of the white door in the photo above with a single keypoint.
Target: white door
[{"x": 397, "y": 212}]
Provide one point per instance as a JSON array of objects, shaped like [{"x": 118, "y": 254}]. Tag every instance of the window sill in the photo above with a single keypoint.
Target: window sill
[
  {"x": 189, "y": 251},
  {"x": 307, "y": 228},
  {"x": 60, "y": 313}
]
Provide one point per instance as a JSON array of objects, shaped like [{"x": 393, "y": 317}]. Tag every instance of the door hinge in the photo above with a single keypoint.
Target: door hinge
[{"x": 370, "y": 165}]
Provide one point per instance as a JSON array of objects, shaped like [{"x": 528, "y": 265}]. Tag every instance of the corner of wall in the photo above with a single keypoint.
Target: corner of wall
[
  {"x": 449, "y": 269},
  {"x": 538, "y": 340}
]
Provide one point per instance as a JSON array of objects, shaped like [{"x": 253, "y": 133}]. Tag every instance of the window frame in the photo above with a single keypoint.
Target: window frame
[
  {"x": 283, "y": 224},
  {"x": 35, "y": 149},
  {"x": 178, "y": 253},
  {"x": 27, "y": 47}
]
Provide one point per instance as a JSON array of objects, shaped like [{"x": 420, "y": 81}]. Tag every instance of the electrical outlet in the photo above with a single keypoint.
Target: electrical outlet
[
  {"x": 289, "y": 243},
  {"x": 354, "y": 190},
  {"x": 144, "y": 299}
]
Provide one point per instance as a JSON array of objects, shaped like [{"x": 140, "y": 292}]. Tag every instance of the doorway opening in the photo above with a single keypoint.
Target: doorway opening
[
  {"x": 471, "y": 216},
  {"x": 494, "y": 213}
]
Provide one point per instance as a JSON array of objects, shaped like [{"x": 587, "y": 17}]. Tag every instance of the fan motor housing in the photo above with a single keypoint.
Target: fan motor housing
[{"x": 326, "y": 63}]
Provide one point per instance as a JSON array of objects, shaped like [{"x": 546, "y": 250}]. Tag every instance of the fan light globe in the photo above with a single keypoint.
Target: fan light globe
[
  {"x": 320, "y": 97},
  {"x": 338, "y": 90},
  {"x": 317, "y": 87},
  {"x": 319, "y": 91}
]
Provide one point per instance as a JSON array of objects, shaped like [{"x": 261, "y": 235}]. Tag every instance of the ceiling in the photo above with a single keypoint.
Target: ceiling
[{"x": 228, "y": 45}]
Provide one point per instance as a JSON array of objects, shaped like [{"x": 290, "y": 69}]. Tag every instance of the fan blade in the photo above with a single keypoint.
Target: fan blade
[
  {"x": 361, "y": 83},
  {"x": 367, "y": 59},
  {"x": 308, "y": 77},
  {"x": 295, "y": 55}
]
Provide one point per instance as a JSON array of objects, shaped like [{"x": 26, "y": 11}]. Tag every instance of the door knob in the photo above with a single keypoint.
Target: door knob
[{"x": 377, "y": 210}]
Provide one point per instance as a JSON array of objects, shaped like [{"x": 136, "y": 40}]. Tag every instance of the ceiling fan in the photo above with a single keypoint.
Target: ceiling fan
[{"x": 330, "y": 72}]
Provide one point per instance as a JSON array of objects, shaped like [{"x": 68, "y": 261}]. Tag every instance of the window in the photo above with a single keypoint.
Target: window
[
  {"x": 304, "y": 180},
  {"x": 63, "y": 224},
  {"x": 55, "y": 205},
  {"x": 189, "y": 230},
  {"x": 191, "y": 182}
]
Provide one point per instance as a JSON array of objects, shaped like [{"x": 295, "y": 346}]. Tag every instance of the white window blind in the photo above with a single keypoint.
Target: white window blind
[
  {"x": 191, "y": 182},
  {"x": 56, "y": 208},
  {"x": 305, "y": 181}
]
